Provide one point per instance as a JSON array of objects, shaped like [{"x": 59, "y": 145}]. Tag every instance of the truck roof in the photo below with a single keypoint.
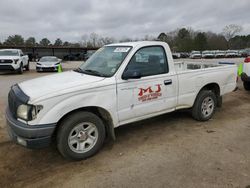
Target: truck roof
[{"x": 139, "y": 43}]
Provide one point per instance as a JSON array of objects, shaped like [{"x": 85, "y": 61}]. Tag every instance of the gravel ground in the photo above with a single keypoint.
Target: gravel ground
[{"x": 171, "y": 150}]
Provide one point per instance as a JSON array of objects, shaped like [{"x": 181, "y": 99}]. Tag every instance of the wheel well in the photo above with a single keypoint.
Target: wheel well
[
  {"x": 213, "y": 87},
  {"x": 100, "y": 112}
]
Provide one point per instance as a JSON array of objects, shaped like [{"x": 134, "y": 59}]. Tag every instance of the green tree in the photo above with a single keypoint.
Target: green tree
[
  {"x": 216, "y": 42},
  {"x": 31, "y": 41},
  {"x": 58, "y": 42},
  {"x": 183, "y": 40},
  {"x": 200, "y": 42},
  {"x": 45, "y": 42},
  {"x": 14, "y": 40}
]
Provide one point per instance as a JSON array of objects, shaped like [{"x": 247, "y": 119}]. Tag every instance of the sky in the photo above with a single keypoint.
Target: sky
[{"x": 71, "y": 19}]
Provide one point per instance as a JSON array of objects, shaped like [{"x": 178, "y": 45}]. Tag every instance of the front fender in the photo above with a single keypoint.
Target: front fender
[{"x": 57, "y": 107}]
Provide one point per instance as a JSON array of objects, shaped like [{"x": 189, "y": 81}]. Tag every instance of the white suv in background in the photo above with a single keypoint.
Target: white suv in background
[{"x": 13, "y": 60}]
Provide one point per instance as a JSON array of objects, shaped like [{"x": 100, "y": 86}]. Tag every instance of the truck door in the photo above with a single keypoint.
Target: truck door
[{"x": 154, "y": 92}]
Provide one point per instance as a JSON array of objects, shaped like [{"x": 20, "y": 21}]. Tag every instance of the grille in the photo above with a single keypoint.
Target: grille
[
  {"x": 6, "y": 61},
  {"x": 6, "y": 67}
]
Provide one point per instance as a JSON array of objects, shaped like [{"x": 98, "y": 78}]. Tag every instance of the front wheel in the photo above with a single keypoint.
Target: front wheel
[
  {"x": 246, "y": 85},
  {"x": 80, "y": 136},
  {"x": 204, "y": 106},
  {"x": 27, "y": 68},
  {"x": 20, "y": 69}
]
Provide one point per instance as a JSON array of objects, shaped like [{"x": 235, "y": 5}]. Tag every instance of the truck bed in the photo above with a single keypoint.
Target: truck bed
[
  {"x": 186, "y": 66},
  {"x": 193, "y": 76}
]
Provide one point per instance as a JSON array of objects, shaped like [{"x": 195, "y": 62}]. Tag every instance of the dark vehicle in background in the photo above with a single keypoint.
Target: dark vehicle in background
[
  {"x": 88, "y": 54},
  {"x": 184, "y": 55},
  {"x": 79, "y": 56},
  {"x": 73, "y": 57},
  {"x": 48, "y": 63},
  {"x": 245, "y": 76}
]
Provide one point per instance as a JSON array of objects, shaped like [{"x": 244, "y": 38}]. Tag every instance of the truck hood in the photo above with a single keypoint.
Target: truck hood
[
  {"x": 56, "y": 83},
  {"x": 9, "y": 57}
]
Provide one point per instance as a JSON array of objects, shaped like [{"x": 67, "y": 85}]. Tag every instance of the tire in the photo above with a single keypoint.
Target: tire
[
  {"x": 246, "y": 85},
  {"x": 27, "y": 68},
  {"x": 81, "y": 135},
  {"x": 204, "y": 106},
  {"x": 20, "y": 69}
]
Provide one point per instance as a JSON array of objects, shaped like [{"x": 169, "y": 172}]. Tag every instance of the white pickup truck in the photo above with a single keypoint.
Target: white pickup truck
[
  {"x": 13, "y": 60},
  {"x": 119, "y": 84}
]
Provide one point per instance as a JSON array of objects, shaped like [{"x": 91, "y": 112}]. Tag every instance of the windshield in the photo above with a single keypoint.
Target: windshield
[
  {"x": 8, "y": 53},
  {"x": 105, "y": 61},
  {"x": 48, "y": 59}
]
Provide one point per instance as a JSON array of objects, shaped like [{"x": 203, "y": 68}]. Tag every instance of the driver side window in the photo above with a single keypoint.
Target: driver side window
[{"x": 149, "y": 61}]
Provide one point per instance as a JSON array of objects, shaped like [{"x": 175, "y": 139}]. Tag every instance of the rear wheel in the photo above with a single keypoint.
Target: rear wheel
[
  {"x": 246, "y": 85},
  {"x": 204, "y": 106},
  {"x": 80, "y": 136}
]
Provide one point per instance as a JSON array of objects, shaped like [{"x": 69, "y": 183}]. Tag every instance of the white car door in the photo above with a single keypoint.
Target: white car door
[{"x": 155, "y": 91}]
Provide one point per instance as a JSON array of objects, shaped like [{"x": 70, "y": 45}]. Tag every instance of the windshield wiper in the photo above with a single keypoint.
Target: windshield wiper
[
  {"x": 94, "y": 72},
  {"x": 79, "y": 70}
]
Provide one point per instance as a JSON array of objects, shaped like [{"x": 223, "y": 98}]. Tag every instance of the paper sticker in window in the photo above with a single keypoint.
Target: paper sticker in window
[{"x": 122, "y": 49}]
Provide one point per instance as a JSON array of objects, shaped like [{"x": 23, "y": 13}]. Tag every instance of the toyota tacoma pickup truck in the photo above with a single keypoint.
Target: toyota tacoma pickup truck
[
  {"x": 119, "y": 84},
  {"x": 245, "y": 76},
  {"x": 13, "y": 60}
]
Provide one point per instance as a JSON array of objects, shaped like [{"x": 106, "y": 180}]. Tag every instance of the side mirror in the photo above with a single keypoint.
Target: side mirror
[{"x": 131, "y": 75}]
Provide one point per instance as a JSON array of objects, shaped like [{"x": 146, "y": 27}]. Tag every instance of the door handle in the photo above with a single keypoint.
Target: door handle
[{"x": 167, "y": 82}]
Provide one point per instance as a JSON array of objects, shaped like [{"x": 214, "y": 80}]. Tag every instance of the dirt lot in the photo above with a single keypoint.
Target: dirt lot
[{"x": 171, "y": 150}]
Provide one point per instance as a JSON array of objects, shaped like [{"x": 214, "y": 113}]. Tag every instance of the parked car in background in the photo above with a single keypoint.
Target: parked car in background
[
  {"x": 89, "y": 54},
  {"x": 48, "y": 63},
  {"x": 244, "y": 53},
  {"x": 231, "y": 53},
  {"x": 13, "y": 60},
  {"x": 195, "y": 55},
  {"x": 184, "y": 54},
  {"x": 245, "y": 76},
  {"x": 176, "y": 55},
  {"x": 207, "y": 54},
  {"x": 219, "y": 54}
]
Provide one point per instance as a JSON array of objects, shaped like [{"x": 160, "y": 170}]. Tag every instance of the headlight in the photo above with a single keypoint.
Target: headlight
[
  {"x": 57, "y": 64},
  {"x": 22, "y": 111},
  {"x": 28, "y": 112},
  {"x": 38, "y": 64}
]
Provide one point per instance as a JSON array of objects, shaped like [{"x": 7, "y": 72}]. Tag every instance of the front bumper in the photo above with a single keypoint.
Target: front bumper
[
  {"x": 47, "y": 68},
  {"x": 245, "y": 77},
  {"x": 6, "y": 68},
  {"x": 35, "y": 136}
]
